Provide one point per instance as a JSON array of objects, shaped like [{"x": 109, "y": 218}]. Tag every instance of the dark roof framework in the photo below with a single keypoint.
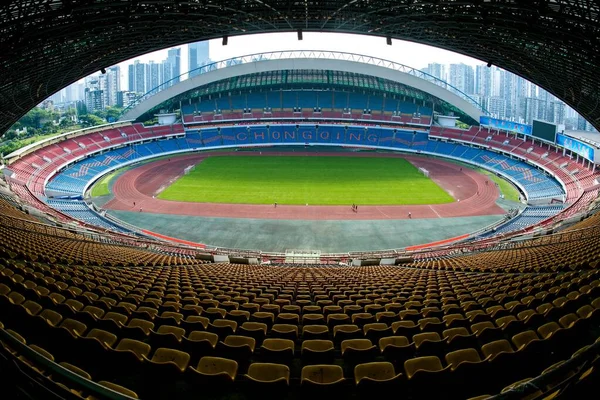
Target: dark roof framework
[{"x": 48, "y": 44}]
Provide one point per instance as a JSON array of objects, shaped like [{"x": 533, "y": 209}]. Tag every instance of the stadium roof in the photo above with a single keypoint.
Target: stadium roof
[
  {"x": 48, "y": 44},
  {"x": 313, "y": 69}
]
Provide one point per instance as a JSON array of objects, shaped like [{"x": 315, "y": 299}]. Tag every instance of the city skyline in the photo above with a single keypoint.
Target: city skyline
[
  {"x": 501, "y": 102},
  {"x": 408, "y": 53}
]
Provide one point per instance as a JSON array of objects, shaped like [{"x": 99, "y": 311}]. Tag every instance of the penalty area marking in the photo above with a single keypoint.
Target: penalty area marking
[{"x": 172, "y": 180}]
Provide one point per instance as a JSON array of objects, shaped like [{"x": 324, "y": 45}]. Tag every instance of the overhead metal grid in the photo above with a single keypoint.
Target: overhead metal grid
[{"x": 48, "y": 44}]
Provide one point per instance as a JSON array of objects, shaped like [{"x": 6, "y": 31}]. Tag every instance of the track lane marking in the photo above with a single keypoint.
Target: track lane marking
[{"x": 436, "y": 213}]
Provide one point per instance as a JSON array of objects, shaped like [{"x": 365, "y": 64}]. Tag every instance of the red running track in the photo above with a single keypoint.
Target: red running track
[{"x": 474, "y": 197}]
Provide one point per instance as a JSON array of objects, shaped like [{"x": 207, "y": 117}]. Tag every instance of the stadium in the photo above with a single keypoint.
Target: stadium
[{"x": 313, "y": 223}]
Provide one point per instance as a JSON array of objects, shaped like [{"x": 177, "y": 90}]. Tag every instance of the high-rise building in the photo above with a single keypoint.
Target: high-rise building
[
  {"x": 58, "y": 97},
  {"x": 125, "y": 98},
  {"x": 198, "y": 56},
  {"x": 436, "y": 70},
  {"x": 462, "y": 77},
  {"x": 131, "y": 77},
  {"x": 139, "y": 77},
  {"x": 483, "y": 80},
  {"x": 556, "y": 112},
  {"x": 173, "y": 65},
  {"x": 166, "y": 74},
  {"x": 152, "y": 76},
  {"x": 94, "y": 94},
  {"x": 531, "y": 108},
  {"x": 496, "y": 80},
  {"x": 112, "y": 85},
  {"x": 497, "y": 107},
  {"x": 74, "y": 92}
]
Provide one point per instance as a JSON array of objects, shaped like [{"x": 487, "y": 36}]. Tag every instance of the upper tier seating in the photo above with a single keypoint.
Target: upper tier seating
[
  {"x": 332, "y": 104},
  {"x": 534, "y": 152},
  {"x": 34, "y": 168}
]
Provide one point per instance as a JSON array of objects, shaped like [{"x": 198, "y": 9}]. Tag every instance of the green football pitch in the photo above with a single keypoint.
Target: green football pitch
[{"x": 306, "y": 180}]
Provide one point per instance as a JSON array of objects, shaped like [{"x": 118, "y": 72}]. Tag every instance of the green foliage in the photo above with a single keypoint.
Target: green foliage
[
  {"x": 40, "y": 123},
  {"x": 65, "y": 123},
  {"x": 12, "y": 145},
  {"x": 101, "y": 188},
  {"x": 81, "y": 108},
  {"x": 113, "y": 113},
  {"x": 35, "y": 118},
  {"x": 151, "y": 122},
  {"x": 306, "y": 180},
  {"x": 509, "y": 191},
  {"x": 91, "y": 120}
]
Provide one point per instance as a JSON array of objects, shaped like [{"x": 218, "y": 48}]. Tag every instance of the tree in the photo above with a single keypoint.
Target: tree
[
  {"x": 81, "y": 108},
  {"x": 113, "y": 113},
  {"x": 9, "y": 135},
  {"x": 65, "y": 123},
  {"x": 462, "y": 125},
  {"x": 100, "y": 113},
  {"x": 49, "y": 127},
  {"x": 151, "y": 122},
  {"x": 70, "y": 112},
  {"x": 91, "y": 120},
  {"x": 35, "y": 118}
]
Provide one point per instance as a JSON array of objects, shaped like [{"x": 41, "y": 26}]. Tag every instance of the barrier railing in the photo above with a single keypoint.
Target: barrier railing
[
  {"x": 574, "y": 368},
  {"x": 56, "y": 370},
  {"x": 255, "y": 253}
]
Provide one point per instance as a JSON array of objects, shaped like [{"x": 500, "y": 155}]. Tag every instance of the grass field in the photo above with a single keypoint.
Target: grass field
[
  {"x": 509, "y": 190},
  {"x": 101, "y": 188},
  {"x": 506, "y": 188},
  {"x": 306, "y": 180}
]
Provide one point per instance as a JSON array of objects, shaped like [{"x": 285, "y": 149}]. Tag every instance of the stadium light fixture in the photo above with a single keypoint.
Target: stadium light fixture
[
  {"x": 103, "y": 70},
  {"x": 388, "y": 40},
  {"x": 299, "y": 34},
  {"x": 225, "y": 39},
  {"x": 489, "y": 64}
]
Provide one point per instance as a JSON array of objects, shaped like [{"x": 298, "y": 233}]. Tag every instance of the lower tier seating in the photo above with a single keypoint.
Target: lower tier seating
[{"x": 232, "y": 328}]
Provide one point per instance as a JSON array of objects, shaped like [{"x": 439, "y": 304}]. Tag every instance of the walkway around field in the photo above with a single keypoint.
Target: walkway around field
[{"x": 474, "y": 196}]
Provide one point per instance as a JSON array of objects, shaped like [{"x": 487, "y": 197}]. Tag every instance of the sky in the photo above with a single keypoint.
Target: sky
[{"x": 408, "y": 53}]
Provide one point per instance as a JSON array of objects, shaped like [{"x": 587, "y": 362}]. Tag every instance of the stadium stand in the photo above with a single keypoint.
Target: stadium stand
[
  {"x": 137, "y": 143},
  {"x": 515, "y": 316},
  {"x": 327, "y": 104},
  {"x": 78, "y": 210},
  {"x": 101, "y": 311},
  {"x": 502, "y": 314},
  {"x": 531, "y": 216},
  {"x": 73, "y": 180}
]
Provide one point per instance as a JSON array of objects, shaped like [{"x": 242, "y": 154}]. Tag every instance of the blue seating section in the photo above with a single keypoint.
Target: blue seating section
[
  {"x": 531, "y": 216},
  {"x": 80, "y": 211},
  {"x": 72, "y": 180},
  {"x": 326, "y": 100},
  {"x": 537, "y": 184},
  {"x": 67, "y": 185}
]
